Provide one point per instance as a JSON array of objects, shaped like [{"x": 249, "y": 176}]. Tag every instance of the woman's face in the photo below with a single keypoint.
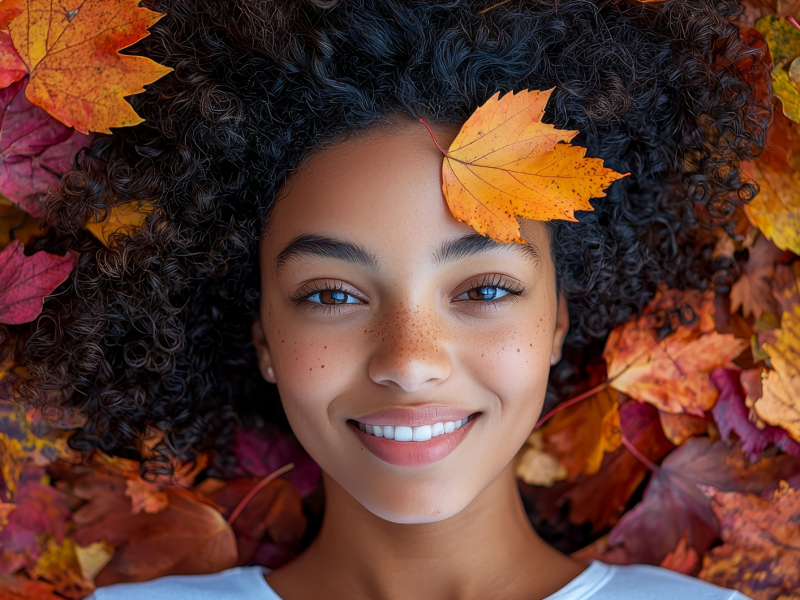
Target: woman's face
[{"x": 381, "y": 312}]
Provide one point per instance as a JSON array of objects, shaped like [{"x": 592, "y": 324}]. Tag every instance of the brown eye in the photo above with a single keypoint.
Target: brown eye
[
  {"x": 485, "y": 293},
  {"x": 333, "y": 297}
]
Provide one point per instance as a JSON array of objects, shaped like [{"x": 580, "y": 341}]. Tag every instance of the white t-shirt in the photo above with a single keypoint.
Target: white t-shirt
[{"x": 598, "y": 582}]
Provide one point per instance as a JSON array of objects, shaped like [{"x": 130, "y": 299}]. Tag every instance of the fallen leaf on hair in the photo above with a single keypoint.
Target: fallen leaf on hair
[
  {"x": 22, "y": 588},
  {"x": 684, "y": 559},
  {"x": 35, "y": 149},
  {"x": 72, "y": 55},
  {"x": 673, "y": 505},
  {"x": 752, "y": 292},
  {"x": 732, "y": 416},
  {"x": 780, "y": 387},
  {"x": 26, "y": 280},
  {"x": 506, "y": 163},
  {"x": 124, "y": 219},
  {"x": 665, "y": 356},
  {"x": 760, "y": 555}
]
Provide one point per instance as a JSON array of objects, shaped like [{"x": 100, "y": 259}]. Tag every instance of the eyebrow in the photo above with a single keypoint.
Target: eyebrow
[
  {"x": 326, "y": 247},
  {"x": 475, "y": 243}
]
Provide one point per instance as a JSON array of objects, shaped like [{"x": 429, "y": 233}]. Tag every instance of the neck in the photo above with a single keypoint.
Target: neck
[{"x": 489, "y": 549}]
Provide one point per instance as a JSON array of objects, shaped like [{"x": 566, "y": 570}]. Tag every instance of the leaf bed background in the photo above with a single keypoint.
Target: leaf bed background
[{"x": 680, "y": 445}]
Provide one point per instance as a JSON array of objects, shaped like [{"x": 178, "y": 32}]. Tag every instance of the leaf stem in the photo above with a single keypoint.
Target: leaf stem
[
  {"x": 571, "y": 401},
  {"x": 251, "y": 494},
  {"x": 639, "y": 456},
  {"x": 433, "y": 136}
]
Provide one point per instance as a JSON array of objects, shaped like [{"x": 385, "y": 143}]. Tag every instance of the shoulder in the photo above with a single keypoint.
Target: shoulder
[
  {"x": 241, "y": 583},
  {"x": 613, "y": 582}
]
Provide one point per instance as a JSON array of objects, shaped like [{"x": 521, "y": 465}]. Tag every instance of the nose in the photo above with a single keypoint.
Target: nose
[{"x": 410, "y": 353}]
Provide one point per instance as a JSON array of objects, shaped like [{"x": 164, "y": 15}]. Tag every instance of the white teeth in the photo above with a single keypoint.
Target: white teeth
[
  {"x": 402, "y": 434},
  {"x": 422, "y": 434},
  {"x": 412, "y": 434}
]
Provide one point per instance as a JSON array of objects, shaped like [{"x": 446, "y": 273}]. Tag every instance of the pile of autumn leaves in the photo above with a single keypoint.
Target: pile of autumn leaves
[{"x": 696, "y": 402}]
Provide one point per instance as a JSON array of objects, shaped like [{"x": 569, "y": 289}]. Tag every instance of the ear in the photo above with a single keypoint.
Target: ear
[
  {"x": 262, "y": 351},
  {"x": 562, "y": 326}
]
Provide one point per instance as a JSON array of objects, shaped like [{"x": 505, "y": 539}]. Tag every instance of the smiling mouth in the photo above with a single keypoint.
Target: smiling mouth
[
  {"x": 423, "y": 433},
  {"x": 418, "y": 446}
]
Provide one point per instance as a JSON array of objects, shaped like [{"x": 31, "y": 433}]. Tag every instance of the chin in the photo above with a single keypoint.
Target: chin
[{"x": 406, "y": 508}]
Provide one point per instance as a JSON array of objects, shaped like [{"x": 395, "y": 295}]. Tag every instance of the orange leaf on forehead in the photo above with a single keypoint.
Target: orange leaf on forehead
[
  {"x": 666, "y": 355},
  {"x": 71, "y": 50},
  {"x": 506, "y": 163}
]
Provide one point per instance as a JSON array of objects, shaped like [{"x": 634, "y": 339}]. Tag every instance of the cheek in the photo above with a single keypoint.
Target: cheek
[{"x": 513, "y": 362}]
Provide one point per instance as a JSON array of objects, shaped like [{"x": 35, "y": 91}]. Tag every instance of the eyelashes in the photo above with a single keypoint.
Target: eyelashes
[{"x": 484, "y": 292}]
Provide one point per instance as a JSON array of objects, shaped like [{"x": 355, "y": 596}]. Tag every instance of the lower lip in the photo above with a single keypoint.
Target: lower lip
[{"x": 413, "y": 454}]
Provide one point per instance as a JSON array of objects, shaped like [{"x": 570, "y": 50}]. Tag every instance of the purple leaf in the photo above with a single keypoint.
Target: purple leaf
[
  {"x": 26, "y": 280},
  {"x": 35, "y": 149}
]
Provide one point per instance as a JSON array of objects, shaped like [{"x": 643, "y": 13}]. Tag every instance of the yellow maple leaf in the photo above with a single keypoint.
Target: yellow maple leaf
[
  {"x": 70, "y": 49},
  {"x": 70, "y": 567},
  {"x": 505, "y": 163},
  {"x": 124, "y": 218},
  {"x": 776, "y": 208},
  {"x": 780, "y": 398}
]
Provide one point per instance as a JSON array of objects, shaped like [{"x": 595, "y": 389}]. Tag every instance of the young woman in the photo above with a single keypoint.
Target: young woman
[{"x": 301, "y": 236}]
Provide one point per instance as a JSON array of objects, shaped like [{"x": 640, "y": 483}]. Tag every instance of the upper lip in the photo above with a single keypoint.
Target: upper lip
[{"x": 414, "y": 416}]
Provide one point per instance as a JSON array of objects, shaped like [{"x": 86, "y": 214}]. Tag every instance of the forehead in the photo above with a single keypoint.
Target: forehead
[{"x": 383, "y": 187}]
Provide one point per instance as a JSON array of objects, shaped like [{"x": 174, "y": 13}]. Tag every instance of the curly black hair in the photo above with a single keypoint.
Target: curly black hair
[{"x": 155, "y": 331}]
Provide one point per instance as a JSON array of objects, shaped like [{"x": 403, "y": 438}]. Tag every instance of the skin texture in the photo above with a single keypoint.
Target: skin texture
[{"x": 408, "y": 336}]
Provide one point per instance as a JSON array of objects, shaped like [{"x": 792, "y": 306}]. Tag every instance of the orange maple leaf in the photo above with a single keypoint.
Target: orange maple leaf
[
  {"x": 71, "y": 53},
  {"x": 505, "y": 163},
  {"x": 753, "y": 290},
  {"x": 122, "y": 219},
  {"x": 671, "y": 371}
]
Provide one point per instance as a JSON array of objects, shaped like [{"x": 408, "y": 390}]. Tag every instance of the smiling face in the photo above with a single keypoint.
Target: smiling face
[{"x": 381, "y": 315}]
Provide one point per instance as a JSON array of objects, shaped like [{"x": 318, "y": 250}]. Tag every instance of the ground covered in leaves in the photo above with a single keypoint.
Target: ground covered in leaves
[{"x": 680, "y": 447}]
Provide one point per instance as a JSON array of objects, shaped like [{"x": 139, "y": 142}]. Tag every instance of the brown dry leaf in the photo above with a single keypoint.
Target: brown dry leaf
[
  {"x": 752, "y": 292},
  {"x": 665, "y": 356},
  {"x": 760, "y": 555},
  {"x": 681, "y": 426},
  {"x": 188, "y": 537},
  {"x": 145, "y": 496},
  {"x": 17, "y": 587},
  {"x": 535, "y": 467},
  {"x": 506, "y": 163},
  {"x": 779, "y": 404},
  {"x": 579, "y": 436},
  {"x": 121, "y": 219}
]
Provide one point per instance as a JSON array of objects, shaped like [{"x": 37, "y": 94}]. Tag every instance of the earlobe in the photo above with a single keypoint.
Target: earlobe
[
  {"x": 562, "y": 326},
  {"x": 262, "y": 351}
]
